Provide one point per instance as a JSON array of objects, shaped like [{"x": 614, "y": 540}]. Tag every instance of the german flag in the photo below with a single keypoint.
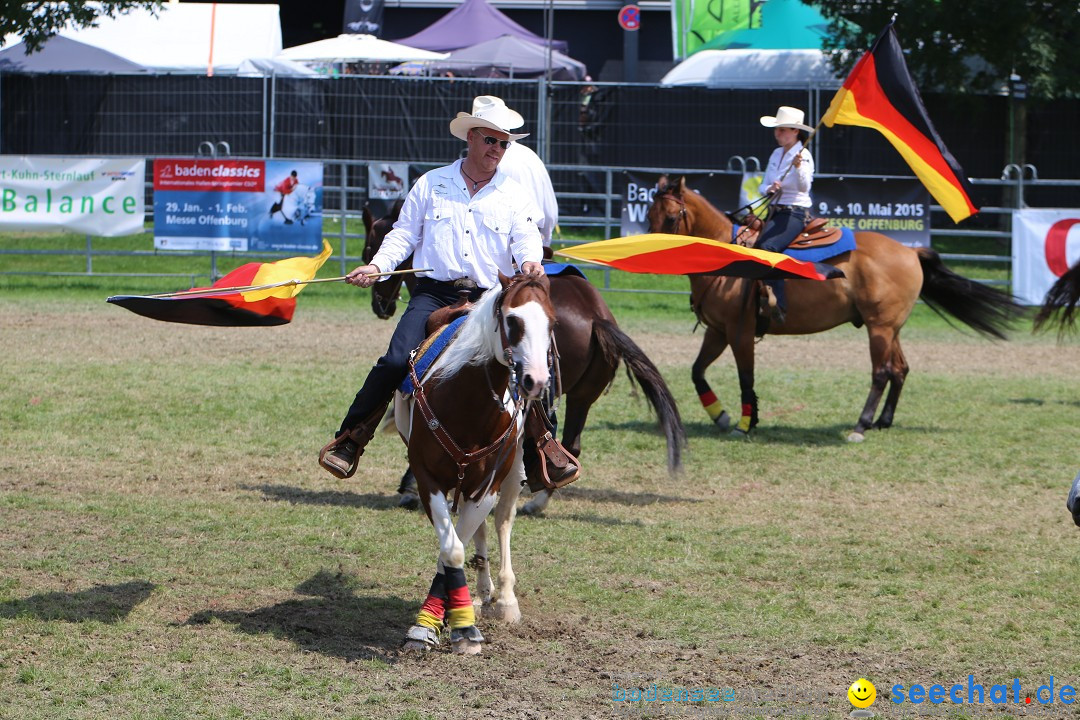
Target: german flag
[
  {"x": 879, "y": 94},
  {"x": 665, "y": 254},
  {"x": 255, "y": 294}
]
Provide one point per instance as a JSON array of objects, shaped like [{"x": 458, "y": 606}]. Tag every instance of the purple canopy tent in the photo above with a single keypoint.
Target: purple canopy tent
[
  {"x": 470, "y": 23},
  {"x": 507, "y": 56}
]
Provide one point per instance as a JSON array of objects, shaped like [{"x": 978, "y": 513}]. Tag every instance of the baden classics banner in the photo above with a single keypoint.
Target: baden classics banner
[
  {"x": 237, "y": 205},
  {"x": 87, "y": 195}
]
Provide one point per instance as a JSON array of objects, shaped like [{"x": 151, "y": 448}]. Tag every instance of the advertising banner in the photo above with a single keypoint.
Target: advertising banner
[
  {"x": 238, "y": 205},
  {"x": 364, "y": 17},
  {"x": 386, "y": 183},
  {"x": 640, "y": 189},
  {"x": 87, "y": 195},
  {"x": 1045, "y": 244},
  {"x": 897, "y": 208}
]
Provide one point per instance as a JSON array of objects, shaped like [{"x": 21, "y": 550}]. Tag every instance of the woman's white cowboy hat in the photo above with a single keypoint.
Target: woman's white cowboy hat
[
  {"x": 787, "y": 117},
  {"x": 490, "y": 112}
]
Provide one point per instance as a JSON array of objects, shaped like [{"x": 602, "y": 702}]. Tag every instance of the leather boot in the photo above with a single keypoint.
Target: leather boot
[{"x": 341, "y": 455}]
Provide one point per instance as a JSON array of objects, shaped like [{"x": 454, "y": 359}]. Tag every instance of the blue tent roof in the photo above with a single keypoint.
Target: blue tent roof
[{"x": 470, "y": 23}]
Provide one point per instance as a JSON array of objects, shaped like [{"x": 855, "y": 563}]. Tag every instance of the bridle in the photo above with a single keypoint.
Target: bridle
[
  {"x": 680, "y": 217},
  {"x": 461, "y": 458}
]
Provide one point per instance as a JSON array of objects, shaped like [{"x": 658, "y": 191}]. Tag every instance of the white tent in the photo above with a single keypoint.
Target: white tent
[
  {"x": 188, "y": 37},
  {"x": 357, "y": 48},
  {"x": 754, "y": 68}
]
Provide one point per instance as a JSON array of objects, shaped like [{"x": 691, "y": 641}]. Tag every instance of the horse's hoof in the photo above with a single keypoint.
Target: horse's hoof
[
  {"x": 537, "y": 505},
  {"x": 420, "y": 638},
  {"x": 502, "y": 612},
  {"x": 466, "y": 641},
  {"x": 723, "y": 421},
  {"x": 856, "y": 437},
  {"x": 409, "y": 501},
  {"x": 467, "y": 647}
]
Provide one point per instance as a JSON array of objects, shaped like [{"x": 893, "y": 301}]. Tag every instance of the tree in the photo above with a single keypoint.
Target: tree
[
  {"x": 36, "y": 22},
  {"x": 972, "y": 46}
]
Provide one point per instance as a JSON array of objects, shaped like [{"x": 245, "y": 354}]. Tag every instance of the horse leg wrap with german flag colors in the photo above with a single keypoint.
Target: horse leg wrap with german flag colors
[
  {"x": 433, "y": 610},
  {"x": 459, "y": 613},
  {"x": 712, "y": 405}
]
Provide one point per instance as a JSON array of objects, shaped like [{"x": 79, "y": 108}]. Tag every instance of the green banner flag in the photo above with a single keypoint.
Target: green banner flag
[{"x": 696, "y": 22}]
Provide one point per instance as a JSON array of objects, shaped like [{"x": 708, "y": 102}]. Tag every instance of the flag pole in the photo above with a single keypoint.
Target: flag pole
[{"x": 285, "y": 283}]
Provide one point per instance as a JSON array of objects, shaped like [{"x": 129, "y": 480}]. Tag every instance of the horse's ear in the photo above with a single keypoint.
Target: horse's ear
[
  {"x": 662, "y": 183},
  {"x": 503, "y": 280},
  {"x": 368, "y": 219},
  {"x": 682, "y": 184}
]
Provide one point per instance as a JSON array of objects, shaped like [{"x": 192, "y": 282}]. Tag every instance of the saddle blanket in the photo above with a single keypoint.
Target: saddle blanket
[
  {"x": 554, "y": 268},
  {"x": 846, "y": 243},
  {"x": 430, "y": 350}
]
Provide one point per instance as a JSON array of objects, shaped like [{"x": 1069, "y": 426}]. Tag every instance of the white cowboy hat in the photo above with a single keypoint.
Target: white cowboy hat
[
  {"x": 787, "y": 117},
  {"x": 490, "y": 112}
]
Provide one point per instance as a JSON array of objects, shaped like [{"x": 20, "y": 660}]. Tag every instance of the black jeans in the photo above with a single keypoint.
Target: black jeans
[
  {"x": 783, "y": 228},
  {"x": 392, "y": 368}
]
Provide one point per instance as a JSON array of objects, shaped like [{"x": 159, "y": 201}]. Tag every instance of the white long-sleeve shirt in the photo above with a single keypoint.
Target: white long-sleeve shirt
[
  {"x": 795, "y": 188},
  {"x": 525, "y": 166},
  {"x": 460, "y": 236}
]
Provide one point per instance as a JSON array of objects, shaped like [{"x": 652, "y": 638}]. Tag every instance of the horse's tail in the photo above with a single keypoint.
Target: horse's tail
[
  {"x": 1059, "y": 306},
  {"x": 616, "y": 345},
  {"x": 980, "y": 307}
]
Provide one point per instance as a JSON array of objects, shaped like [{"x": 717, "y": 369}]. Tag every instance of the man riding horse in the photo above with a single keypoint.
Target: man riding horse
[{"x": 468, "y": 221}]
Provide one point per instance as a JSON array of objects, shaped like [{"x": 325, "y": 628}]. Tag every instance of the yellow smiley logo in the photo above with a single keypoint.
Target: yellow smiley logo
[{"x": 862, "y": 693}]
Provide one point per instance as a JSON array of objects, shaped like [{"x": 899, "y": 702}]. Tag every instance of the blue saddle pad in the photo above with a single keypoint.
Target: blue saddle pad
[
  {"x": 431, "y": 352},
  {"x": 554, "y": 268},
  {"x": 846, "y": 243}
]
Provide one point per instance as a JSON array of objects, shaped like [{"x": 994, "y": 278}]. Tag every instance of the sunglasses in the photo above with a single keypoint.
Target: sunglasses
[{"x": 489, "y": 140}]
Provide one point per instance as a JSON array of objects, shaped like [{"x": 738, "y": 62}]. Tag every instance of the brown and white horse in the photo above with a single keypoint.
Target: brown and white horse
[
  {"x": 590, "y": 347},
  {"x": 463, "y": 427}
]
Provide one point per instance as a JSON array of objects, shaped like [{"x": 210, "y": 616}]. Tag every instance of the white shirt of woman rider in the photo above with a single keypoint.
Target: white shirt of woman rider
[{"x": 795, "y": 186}]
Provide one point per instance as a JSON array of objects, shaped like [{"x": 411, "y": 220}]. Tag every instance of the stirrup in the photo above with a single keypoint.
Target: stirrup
[
  {"x": 551, "y": 450},
  {"x": 334, "y": 470}
]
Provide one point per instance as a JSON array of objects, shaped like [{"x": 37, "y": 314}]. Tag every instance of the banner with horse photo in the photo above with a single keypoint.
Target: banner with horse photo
[{"x": 387, "y": 183}]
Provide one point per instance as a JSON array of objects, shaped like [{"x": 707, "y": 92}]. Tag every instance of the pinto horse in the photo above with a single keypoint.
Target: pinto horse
[
  {"x": 589, "y": 346},
  {"x": 463, "y": 425},
  {"x": 883, "y": 279},
  {"x": 1059, "y": 305}
]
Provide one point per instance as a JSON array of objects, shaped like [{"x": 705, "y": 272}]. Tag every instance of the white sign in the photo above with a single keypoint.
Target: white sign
[
  {"x": 86, "y": 195},
  {"x": 1045, "y": 243}
]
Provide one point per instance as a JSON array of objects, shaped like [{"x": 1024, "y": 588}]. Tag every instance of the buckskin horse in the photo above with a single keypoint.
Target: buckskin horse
[
  {"x": 462, "y": 423},
  {"x": 883, "y": 279},
  {"x": 589, "y": 347}
]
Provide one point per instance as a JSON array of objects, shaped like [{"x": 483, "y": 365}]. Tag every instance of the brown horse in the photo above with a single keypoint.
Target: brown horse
[
  {"x": 589, "y": 344},
  {"x": 463, "y": 425},
  {"x": 1059, "y": 305},
  {"x": 883, "y": 279}
]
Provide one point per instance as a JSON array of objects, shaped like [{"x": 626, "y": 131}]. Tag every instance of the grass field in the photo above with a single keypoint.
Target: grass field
[{"x": 170, "y": 548}]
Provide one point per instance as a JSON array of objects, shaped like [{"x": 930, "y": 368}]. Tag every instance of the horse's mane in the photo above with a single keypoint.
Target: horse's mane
[{"x": 476, "y": 342}]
